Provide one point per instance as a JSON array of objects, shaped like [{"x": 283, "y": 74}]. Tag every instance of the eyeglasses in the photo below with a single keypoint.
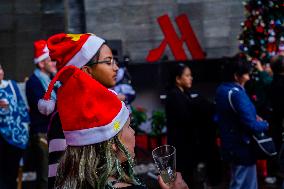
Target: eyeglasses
[{"x": 111, "y": 62}]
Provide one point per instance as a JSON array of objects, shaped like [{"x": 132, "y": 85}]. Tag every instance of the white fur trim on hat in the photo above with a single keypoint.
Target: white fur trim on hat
[
  {"x": 88, "y": 50},
  {"x": 113, "y": 91},
  {"x": 98, "y": 134},
  {"x": 41, "y": 58}
]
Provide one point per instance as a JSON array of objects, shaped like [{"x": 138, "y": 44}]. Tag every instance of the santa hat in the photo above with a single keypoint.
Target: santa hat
[
  {"x": 88, "y": 111},
  {"x": 40, "y": 51},
  {"x": 73, "y": 49}
]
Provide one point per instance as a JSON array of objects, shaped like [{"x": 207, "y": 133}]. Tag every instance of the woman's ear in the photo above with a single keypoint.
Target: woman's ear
[
  {"x": 41, "y": 64},
  {"x": 178, "y": 79},
  {"x": 236, "y": 78},
  {"x": 87, "y": 70}
]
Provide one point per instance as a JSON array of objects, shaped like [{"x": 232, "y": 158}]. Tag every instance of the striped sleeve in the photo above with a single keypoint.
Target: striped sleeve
[{"x": 56, "y": 147}]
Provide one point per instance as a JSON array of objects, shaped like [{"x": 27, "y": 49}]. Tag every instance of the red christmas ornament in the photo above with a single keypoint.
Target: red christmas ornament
[
  {"x": 248, "y": 23},
  {"x": 260, "y": 29},
  {"x": 271, "y": 45}
]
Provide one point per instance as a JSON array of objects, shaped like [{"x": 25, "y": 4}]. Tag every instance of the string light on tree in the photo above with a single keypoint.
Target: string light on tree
[{"x": 262, "y": 33}]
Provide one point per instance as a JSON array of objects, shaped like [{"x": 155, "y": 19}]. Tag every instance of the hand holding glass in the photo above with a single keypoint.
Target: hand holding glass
[{"x": 165, "y": 160}]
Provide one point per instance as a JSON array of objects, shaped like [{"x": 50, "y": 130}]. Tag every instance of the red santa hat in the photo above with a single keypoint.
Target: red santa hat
[
  {"x": 89, "y": 112},
  {"x": 73, "y": 49},
  {"x": 40, "y": 51}
]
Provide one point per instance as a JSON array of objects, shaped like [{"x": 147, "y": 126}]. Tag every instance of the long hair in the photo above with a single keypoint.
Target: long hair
[{"x": 90, "y": 166}]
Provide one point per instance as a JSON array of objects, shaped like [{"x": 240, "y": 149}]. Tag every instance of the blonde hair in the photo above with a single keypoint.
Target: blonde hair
[{"x": 91, "y": 166}]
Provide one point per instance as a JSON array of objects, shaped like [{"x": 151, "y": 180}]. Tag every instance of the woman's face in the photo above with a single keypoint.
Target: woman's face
[
  {"x": 185, "y": 80},
  {"x": 105, "y": 73},
  {"x": 1, "y": 73},
  {"x": 127, "y": 138}
]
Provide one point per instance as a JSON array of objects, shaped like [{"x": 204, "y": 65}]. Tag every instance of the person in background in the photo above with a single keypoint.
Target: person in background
[
  {"x": 123, "y": 84},
  {"x": 276, "y": 94},
  {"x": 257, "y": 88},
  {"x": 237, "y": 120},
  {"x": 35, "y": 88},
  {"x": 190, "y": 117},
  {"x": 14, "y": 133},
  {"x": 179, "y": 116}
]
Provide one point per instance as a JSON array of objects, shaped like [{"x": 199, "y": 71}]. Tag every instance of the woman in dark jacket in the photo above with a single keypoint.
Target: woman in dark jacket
[
  {"x": 188, "y": 116},
  {"x": 179, "y": 117}
]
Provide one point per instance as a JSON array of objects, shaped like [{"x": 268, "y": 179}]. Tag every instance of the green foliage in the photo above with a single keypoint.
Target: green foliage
[
  {"x": 157, "y": 119},
  {"x": 138, "y": 117},
  {"x": 158, "y": 122}
]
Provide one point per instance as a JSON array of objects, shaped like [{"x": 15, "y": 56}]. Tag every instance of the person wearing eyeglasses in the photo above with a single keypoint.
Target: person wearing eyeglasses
[
  {"x": 97, "y": 61},
  {"x": 94, "y": 58}
]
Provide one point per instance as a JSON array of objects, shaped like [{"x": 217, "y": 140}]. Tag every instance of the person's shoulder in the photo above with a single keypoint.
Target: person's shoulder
[
  {"x": 33, "y": 81},
  {"x": 32, "y": 78},
  {"x": 172, "y": 95},
  {"x": 222, "y": 88},
  {"x": 173, "y": 91},
  {"x": 194, "y": 94},
  {"x": 226, "y": 87},
  {"x": 13, "y": 82}
]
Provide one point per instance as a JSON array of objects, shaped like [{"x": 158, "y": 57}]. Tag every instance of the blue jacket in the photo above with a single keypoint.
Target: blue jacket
[
  {"x": 34, "y": 92},
  {"x": 237, "y": 121}
]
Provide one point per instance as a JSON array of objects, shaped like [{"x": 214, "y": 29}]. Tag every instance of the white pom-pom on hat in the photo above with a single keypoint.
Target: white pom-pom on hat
[{"x": 46, "y": 107}]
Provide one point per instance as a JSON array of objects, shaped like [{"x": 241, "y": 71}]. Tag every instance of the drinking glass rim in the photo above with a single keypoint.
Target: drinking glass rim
[{"x": 166, "y": 155}]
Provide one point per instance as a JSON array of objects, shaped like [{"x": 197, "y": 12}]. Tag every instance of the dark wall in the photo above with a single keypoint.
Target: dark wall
[
  {"x": 23, "y": 22},
  {"x": 75, "y": 13},
  {"x": 147, "y": 75},
  {"x": 216, "y": 23},
  {"x": 150, "y": 80}
]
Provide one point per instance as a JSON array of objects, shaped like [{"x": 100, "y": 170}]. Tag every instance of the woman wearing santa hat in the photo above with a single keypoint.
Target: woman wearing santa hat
[
  {"x": 95, "y": 122},
  {"x": 89, "y": 53},
  {"x": 96, "y": 125}
]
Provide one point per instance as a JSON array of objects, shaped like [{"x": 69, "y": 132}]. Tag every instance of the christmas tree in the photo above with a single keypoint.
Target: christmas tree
[{"x": 262, "y": 34}]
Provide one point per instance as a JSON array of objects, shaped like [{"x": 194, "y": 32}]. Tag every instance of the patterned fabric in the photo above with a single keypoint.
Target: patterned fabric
[{"x": 14, "y": 120}]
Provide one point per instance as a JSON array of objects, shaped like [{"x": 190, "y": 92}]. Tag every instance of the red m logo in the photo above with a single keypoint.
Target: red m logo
[{"x": 176, "y": 43}]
